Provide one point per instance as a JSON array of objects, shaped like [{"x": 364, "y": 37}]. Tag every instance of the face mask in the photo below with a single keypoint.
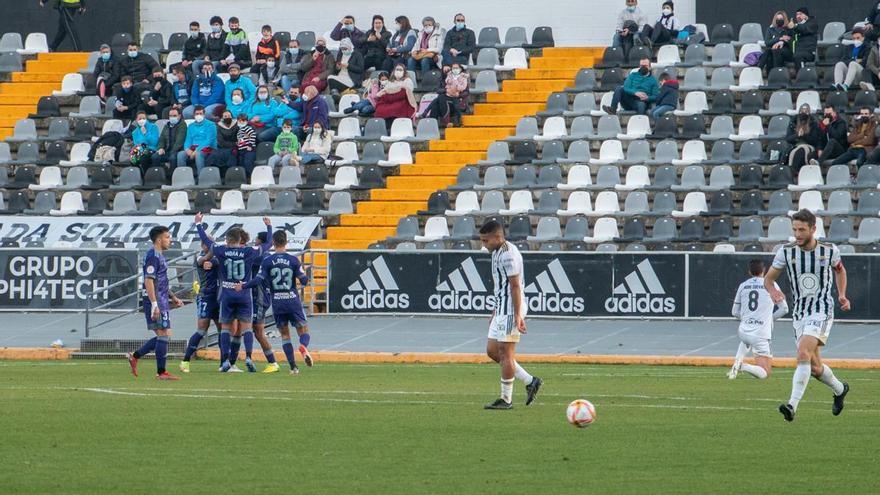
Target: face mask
[
  {"x": 228, "y": 121},
  {"x": 667, "y": 12},
  {"x": 287, "y": 130},
  {"x": 429, "y": 29},
  {"x": 263, "y": 96},
  {"x": 857, "y": 43},
  {"x": 215, "y": 29},
  {"x": 348, "y": 27},
  {"x": 293, "y": 51},
  {"x": 235, "y": 30},
  {"x": 631, "y": 9},
  {"x": 193, "y": 34},
  {"x": 459, "y": 25},
  {"x": 780, "y": 22},
  {"x": 864, "y": 118},
  {"x": 142, "y": 122},
  {"x": 267, "y": 36},
  {"x": 236, "y": 99},
  {"x": 132, "y": 53},
  {"x": 126, "y": 88},
  {"x": 320, "y": 48},
  {"x": 803, "y": 117},
  {"x": 644, "y": 70},
  {"x": 383, "y": 83},
  {"x": 200, "y": 118},
  {"x": 397, "y": 26},
  {"x": 316, "y": 130},
  {"x": 829, "y": 116},
  {"x": 346, "y": 50},
  {"x": 305, "y": 97},
  {"x": 242, "y": 123},
  {"x": 173, "y": 120},
  {"x": 270, "y": 64},
  {"x": 105, "y": 57},
  {"x": 398, "y": 73},
  {"x": 456, "y": 72}
]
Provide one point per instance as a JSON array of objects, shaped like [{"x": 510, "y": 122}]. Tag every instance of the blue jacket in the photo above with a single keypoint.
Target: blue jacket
[
  {"x": 284, "y": 112},
  {"x": 150, "y": 138},
  {"x": 180, "y": 93},
  {"x": 207, "y": 91},
  {"x": 201, "y": 135},
  {"x": 243, "y": 107},
  {"x": 636, "y": 82},
  {"x": 265, "y": 111},
  {"x": 246, "y": 85},
  {"x": 313, "y": 111},
  {"x": 668, "y": 94}
]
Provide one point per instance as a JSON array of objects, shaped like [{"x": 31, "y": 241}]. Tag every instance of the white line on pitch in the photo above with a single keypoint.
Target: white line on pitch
[
  {"x": 590, "y": 342},
  {"x": 698, "y": 349},
  {"x": 371, "y": 332},
  {"x": 462, "y": 344}
]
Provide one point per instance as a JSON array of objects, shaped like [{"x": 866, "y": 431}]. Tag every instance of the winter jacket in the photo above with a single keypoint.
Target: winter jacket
[
  {"x": 268, "y": 50},
  {"x": 163, "y": 94},
  {"x": 465, "y": 41},
  {"x": 286, "y": 142},
  {"x": 172, "y": 137},
  {"x": 149, "y": 137},
  {"x": 860, "y": 54},
  {"x": 774, "y": 34},
  {"x": 215, "y": 44},
  {"x": 194, "y": 48},
  {"x": 201, "y": 134},
  {"x": 435, "y": 40},
  {"x": 139, "y": 68},
  {"x": 130, "y": 98},
  {"x": 873, "y": 16},
  {"x": 874, "y": 61},
  {"x": 862, "y": 134},
  {"x": 376, "y": 48},
  {"x": 207, "y": 91},
  {"x": 806, "y": 36},
  {"x": 328, "y": 66},
  {"x": 237, "y": 46},
  {"x": 180, "y": 93},
  {"x": 355, "y": 67},
  {"x": 265, "y": 111},
  {"x": 668, "y": 94},
  {"x": 637, "y": 16},
  {"x": 292, "y": 65},
  {"x": 648, "y": 84},
  {"x": 227, "y": 138},
  {"x": 247, "y": 138},
  {"x": 108, "y": 68},
  {"x": 834, "y": 131},
  {"x": 455, "y": 85},
  {"x": 813, "y": 137},
  {"x": 284, "y": 112},
  {"x": 314, "y": 143},
  {"x": 242, "y": 108},
  {"x": 243, "y": 83},
  {"x": 356, "y": 35},
  {"x": 402, "y": 42},
  {"x": 313, "y": 111}
]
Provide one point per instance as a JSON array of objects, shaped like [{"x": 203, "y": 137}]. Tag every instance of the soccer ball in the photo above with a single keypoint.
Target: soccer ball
[{"x": 581, "y": 413}]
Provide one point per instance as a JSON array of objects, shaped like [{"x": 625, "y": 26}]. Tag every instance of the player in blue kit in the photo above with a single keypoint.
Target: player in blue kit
[
  {"x": 207, "y": 304},
  {"x": 156, "y": 304},
  {"x": 279, "y": 270},
  {"x": 234, "y": 260},
  {"x": 260, "y": 294}
]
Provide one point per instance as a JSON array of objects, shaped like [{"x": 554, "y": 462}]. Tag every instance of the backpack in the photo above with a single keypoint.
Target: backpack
[
  {"x": 753, "y": 59},
  {"x": 112, "y": 140}
]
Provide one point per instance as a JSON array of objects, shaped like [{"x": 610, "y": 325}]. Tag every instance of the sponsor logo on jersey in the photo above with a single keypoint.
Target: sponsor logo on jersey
[
  {"x": 375, "y": 289},
  {"x": 463, "y": 290},
  {"x": 640, "y": 292},
  {"x": 552, "y": 292}
]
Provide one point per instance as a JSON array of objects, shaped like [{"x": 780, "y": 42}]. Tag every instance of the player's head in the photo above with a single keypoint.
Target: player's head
[
  {"x": 233, "y": 236},
  {"x": 756, "y": 268},
  {"x": 279, "y": 239},
  {"x": 160, "y": 236},
  {"x": 243, "y": 237},
  {"x": 803, "y": 223},
  {"x": 492, "y": 235},
  {"x": 262, "y": 238}
]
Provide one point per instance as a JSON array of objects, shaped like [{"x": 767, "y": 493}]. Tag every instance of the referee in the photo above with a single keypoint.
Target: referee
[{"x": 66, "y": 10}]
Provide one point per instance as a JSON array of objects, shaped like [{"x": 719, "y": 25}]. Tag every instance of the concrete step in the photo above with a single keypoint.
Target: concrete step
[
  {"x": 469, "y": 145},
  {"x": 420, "y": 182},
  {"x": 38, "y": 77},
  {"x": 62, "y": 66},
  {"x": 359, "y": 233},
  {"x": 32, "y": 89},
  {"x": 538, "y": 86},
  {"x": 496, "y": 109},
  {"x": 361, "y": 220},
  {"x": 492, "y": 121},
  {"x": 340, "y": 244},
  {"x": 397, "y": 208},
  {"x": 472, "y": 132},
  {"x": 523, "y": 74},
  {"x": 6, "y": 99},
  {"x": 448, "y": 157},
  {"x": 572, "y": 51},
  {"x": 16, "y": 111},
  {"x": 514, "y": 97},
  {"x": 420, "y": 194},
  {"x": 411, "y": 170}
]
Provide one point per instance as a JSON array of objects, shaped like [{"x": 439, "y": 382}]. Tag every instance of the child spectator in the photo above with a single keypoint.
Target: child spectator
[
  {"x": 367, "y": 105},
  {"x": 286, "y": 147},
  {"x": 667, "y": 100},
  {"x": 247, "y": 143},
  {"x": 268, "y": 55}
]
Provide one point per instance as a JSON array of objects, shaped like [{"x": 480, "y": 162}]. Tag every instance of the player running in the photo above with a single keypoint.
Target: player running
[
  {"x": 508, "y": 318},
  {"x": 236, "y": 308},
  {"x": 156, "y": 304},
  {"x": 279, "y": 270},
  {"x": 207, "y": 304},
  {"x": 810, "y": 264},
  {"x": 754, "y": 308}
]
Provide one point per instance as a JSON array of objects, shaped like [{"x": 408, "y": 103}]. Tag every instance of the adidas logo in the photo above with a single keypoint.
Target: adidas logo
[
  {"x": 552, "y": 292},
  {"x": 463, "y": 289},
  {"x": 640, "y": 292},
  {"x": 375, "y": 289}
]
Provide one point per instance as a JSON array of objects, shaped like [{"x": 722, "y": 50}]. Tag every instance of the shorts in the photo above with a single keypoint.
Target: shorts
[
  {"x": 503, "y": 328},
  {"x": 760, "y": 346},
  {"x": 259, "y": 314},
  {"x": 818, "y": 326},
  {"x": 208, "y": 307},
  {"x": 295, "y": 317},
  {"x": 164, "y": 321},
  {"x": 242, "y": 310}
]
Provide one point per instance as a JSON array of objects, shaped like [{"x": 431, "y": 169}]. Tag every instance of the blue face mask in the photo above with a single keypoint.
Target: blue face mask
[
  {"x": 173, "y": 120},
  {"x": 631, "y": 9},
  {"x": 293, "y": 51},
  {"x": 105, "y": 57},
  {"x": 133, "y": 53},
  {"x": 348, "y": 27},
  {"x": 215, "y": 29},
  {"x": 126, "y": 89},
  {"x": 459, "y": 25}
]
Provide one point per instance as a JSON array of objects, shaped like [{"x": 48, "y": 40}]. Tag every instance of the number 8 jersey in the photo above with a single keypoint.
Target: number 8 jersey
[{"x": 754, "y": 307}]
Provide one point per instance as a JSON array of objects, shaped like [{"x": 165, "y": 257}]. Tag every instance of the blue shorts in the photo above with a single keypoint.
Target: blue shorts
[
  {"x": 290, "y": 316},
  {"x": 259, "y": 314},
  {"x": 242, "y": 310},
  {"x": 208, "y": 307},
  {"x": 164, "y": 321}
]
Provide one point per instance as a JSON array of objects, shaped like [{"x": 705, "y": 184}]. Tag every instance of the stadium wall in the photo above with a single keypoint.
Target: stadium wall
[
  {"x": 711, "y": 12},
  {"x": 574, "y": 22}
]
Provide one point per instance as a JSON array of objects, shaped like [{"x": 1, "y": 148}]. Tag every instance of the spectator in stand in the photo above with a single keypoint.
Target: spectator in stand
[
  {"x": 777, "y": 43},
  {"x": 396, "y": 99},
  {"x": 317, "y": 67},
  {"x": 262, "y": 114},
  {"x": 236, "y": 81},
  {"x": 215, "y": 45},
  {"x": 639, "y": 90},
  {"x": 349, "y": 68},
  {"x": 160, "y": 94},
  {"x": 426, "y": 52},
  {"x": 804, "y": 136},
  {"x": 139, "y": 66},
  {"x": 201, "y": 140},
  {"x": 460, "y": 43},
  {"x": 171, "y": 140},
  {"x": 207, "y": 92},
  {"x": 127, "y": 100},
  {"x": 246, "y": 147},
  {"x": 145, "y": 141},
  {"x": 367, "y": 105},
  {"x": 833, "y": 130},
  {"x": 346, "y": 29},
  {"x": 237, "y": 103},
  {"x": 105, "y": 72},
  {"x": 667, "y": 99},
  {"x": 872, "y": 22},
  {"x": 871, "y": 76},
  {"x": 194, "y": 47},
  {"x": 313, "y": 108},
  {"x": 316, "y": 147},
  {"x": 862, "y": 139},
  {"x": 268, "y": 55},
  {"x": 286, "y": 147},
  {"x": 227, "y": 140},
  {"x": 805, "y": 31},
  {"x": 376, "y": 44},
  {"x": 290, "y": 71},
  {"x": 849, "y": 70},
  {"x": 180, "y": 96},
  {"x": 666, "y": 29},
  {"x": 629, "y": 25},
  {"x": 284, "y": 112},
  {"x": 400, "y": 45},
  {"x": 446, "y": 107},
  {"x": 236, "y": 49}
]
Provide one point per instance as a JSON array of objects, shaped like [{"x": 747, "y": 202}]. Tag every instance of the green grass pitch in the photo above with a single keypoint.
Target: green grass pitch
[{"x": 90, "y": 427}]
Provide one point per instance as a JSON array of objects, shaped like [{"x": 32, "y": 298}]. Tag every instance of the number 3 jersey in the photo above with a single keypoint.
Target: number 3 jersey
[
  {"x": 754, "y": 307},
  {"x": 280, "y": 272}
]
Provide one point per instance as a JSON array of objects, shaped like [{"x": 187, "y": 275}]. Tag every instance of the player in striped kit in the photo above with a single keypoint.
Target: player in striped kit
[
  {"x": 810, "y": 265},
  {"x": 508, "y": 318}
]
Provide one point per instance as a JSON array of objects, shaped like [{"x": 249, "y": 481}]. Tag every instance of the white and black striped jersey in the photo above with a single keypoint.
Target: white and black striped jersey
[
  {"x": 811, "y": 276},
  {"x": 507, "y": 262}
]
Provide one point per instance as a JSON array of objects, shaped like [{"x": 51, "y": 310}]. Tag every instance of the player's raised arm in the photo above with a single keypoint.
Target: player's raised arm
[
  {"x": 264, "y": 247},
  {"x": 201, "y": 230}
]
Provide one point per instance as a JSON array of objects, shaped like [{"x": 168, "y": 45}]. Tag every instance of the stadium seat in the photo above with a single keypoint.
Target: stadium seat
[
  {"x": 551, "y": 151},
  {"x": 77, "y": 178},
  {"x": 374, "y": 154},
  {"x": 398, "y": 154},
  {"x": 578, "y": 152},
  {"x": 10, "y": 42},
  {"x": 338, "y": 204},
  {"x": 426, "y": 130},
  {"x": 750, "y": 79},
  {"x": 721, "y": 128},
  {"x": 401, "y": 130},
  {"x": 692, "y": 179},
  {"x": 463, "y": 229},
  {"x": 607, "y": 203},
  {"x": 840, "y": 230},
  {"x": 809, "y": 177},
  {"x": 611, "y": 79},
  {"x": 638, "y": 152},
  {"x": 612, "y": 57},
  {"x": 750, "y": 32},
  {"x": 488, "y": 37},
  {"x": 606, "y": 178},
  {"x": 581, "y": 129},
  {"x": 231, "y": 203},
  {"x": 71, "y": 84},
  {"x": 584, "y": 81},
  {"x": 610, "y": 152},
  {"x": 694, "y": 56},
  {"x": 665, "y": 152},
  {"x": 694, "y": 204},
  {"x": 809, "y": 200},
  {"x": 10, "y": 62},
  {"x": 50, "y": 178},
  {"x": 436, "y": 228},
  {"x": 548, "y": 230},
  {"x": 604, "y": 230},
  {"x": 71, "y": 204},
  {"x": 692, "y": 127},
  {"x": 345, "y": 178},
  {"x": 637, "y": 177},
  {"x": 466, "y": 203},
  {"x": 34, "y": 43},
  {"x": 779, "y": 178},
  {"x": 694, "y": 103},
  {"x": 637, "y": 128},
  {"x": 578, "y": 178},
  {"x": 554, "y": 128},
  {"x": 831, "y": 33},
  {"x": 96, "y": 204},
  {"x": 633, "y": 231},
  {"x": 261, "y": 178},
  {"x": 526, "y": 129},
  {"x": 348, "y": 128},
  {"x": 693, "y": 152},
  {"x": 868, "y": 177},
  {"x": 523, "y": 152},
  {"x": 520, "y": 202},
  {"x": 485, "y": 82},
  {"x": 176, "y": 204},
  {"x": 579, "y": 203},
  {"x": 750, "y": 127},
  {"x": 750, "y": 230},
  {"x": 692, "y": 230},
  {"x": 514, "y": 37},
  {"x": 607, "y": 248},
  {"x": 667, "y": 56},
  {"x": 44, "y": 202},
  {"x": 584, "y": 104},
  {"x": 345, "y": 102},
  {"x": 780, "y": 203},
  {"x": 695, "y": 80},
  {"x": 720, "y": 178},
  {"x": 374, "y": 130},
  {"x": 514, "y": 58},
  {"x": 542, "y": 37},
  {"x": 744, "y": 50}
]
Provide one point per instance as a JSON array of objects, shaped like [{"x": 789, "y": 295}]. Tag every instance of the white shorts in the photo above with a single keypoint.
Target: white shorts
[
  {"x": 818, "y": 326},
  {"x": 503, "y": 328},
  {"x": 760, "y": 347}
]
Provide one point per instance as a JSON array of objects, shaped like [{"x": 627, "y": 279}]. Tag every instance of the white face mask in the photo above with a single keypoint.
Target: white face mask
[
  {"x": 305, "y": 97},
  {"x": 667, "y": 11},
  {"x": 857, "y": 43},
  {"x": 429, "y": 29},
  {"x": 398, "y": 73},
  {"x": 142, "y": 122},
  {"x": 456, "y": 72},
  {"x": 236, "y": 99},
  {"x": 200, "y": 118},
  {"x": 270, "y": 64},
  {"x": 263, "y": 96},
  {"x": 173, "y": 120},
  {"x": 316, "y": 130}
]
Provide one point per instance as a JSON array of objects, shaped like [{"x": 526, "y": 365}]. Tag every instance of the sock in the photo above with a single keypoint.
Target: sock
[
  {"x": 145, "y": 349},
  {"x": 304, "y": 339},
  {"x": 507, "y": 389},
  {"x": 234, "y": 347},
  {"x": 193, "y": 343},
  {"x": 827, "y": 377},
  {"x": 799, "y": 383},
  {"x": 161, "y": 353},
  {"x": 270, "y": 355},
  {"x": 224, "y": 345},
  {"x": 741, "y": 351},
  {"x": 521, "y": 374},
  {"x": 288, "y": 351},
  {"x": 756, "y": 371},
  {"x": 248, "y": 343}
]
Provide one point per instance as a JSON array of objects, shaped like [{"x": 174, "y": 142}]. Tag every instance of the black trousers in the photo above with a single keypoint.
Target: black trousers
[{"x": 66, "y": 27}]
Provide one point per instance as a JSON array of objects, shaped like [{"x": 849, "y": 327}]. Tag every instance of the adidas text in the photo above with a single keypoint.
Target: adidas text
[
  {"x": 375, "y": 300},
  {"x": 464, "y": 301},
  {"x": 555, "y": 303},
  {"x": 641, "y": 303}
]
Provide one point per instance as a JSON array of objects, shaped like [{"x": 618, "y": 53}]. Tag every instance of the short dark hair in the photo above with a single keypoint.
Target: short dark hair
[
  {"x": 491, "y": 227},
  {"x": 126, "y": 78},
  {"x": 133, "y": 43},
  {"x": 869, "y": 109},
  {"x": 349, "y": 16},
  {"x": 266, "y": 27},
  {"x": 140, "y": 112},
  {"x": 663, "y": 76},
  {"x": 806, "y": 216},
  {"x": 756, "y": 267},
  {"x": 279, "y": 238},
  {"x": 194, "y": 24},
  {"x": 233, "y": 234},
  {"x": 263, "y": 237},
  {"x": 377, "y": 16},
  {"x": 234, "y": 19},
  {"x": 830, "y": 106},
  {"x": 198, "y": 108},
  {"x": 157, "y": 231},
  {"x": 287, "y": 122},
  {"x": 671, "y": 5},
  {"x": 216, "y": 20}
]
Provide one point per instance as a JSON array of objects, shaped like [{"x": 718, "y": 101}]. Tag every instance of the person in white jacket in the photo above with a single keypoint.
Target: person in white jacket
[
  {"x": 316, "y": 147},
  {"x": 425, "y": 54}
]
